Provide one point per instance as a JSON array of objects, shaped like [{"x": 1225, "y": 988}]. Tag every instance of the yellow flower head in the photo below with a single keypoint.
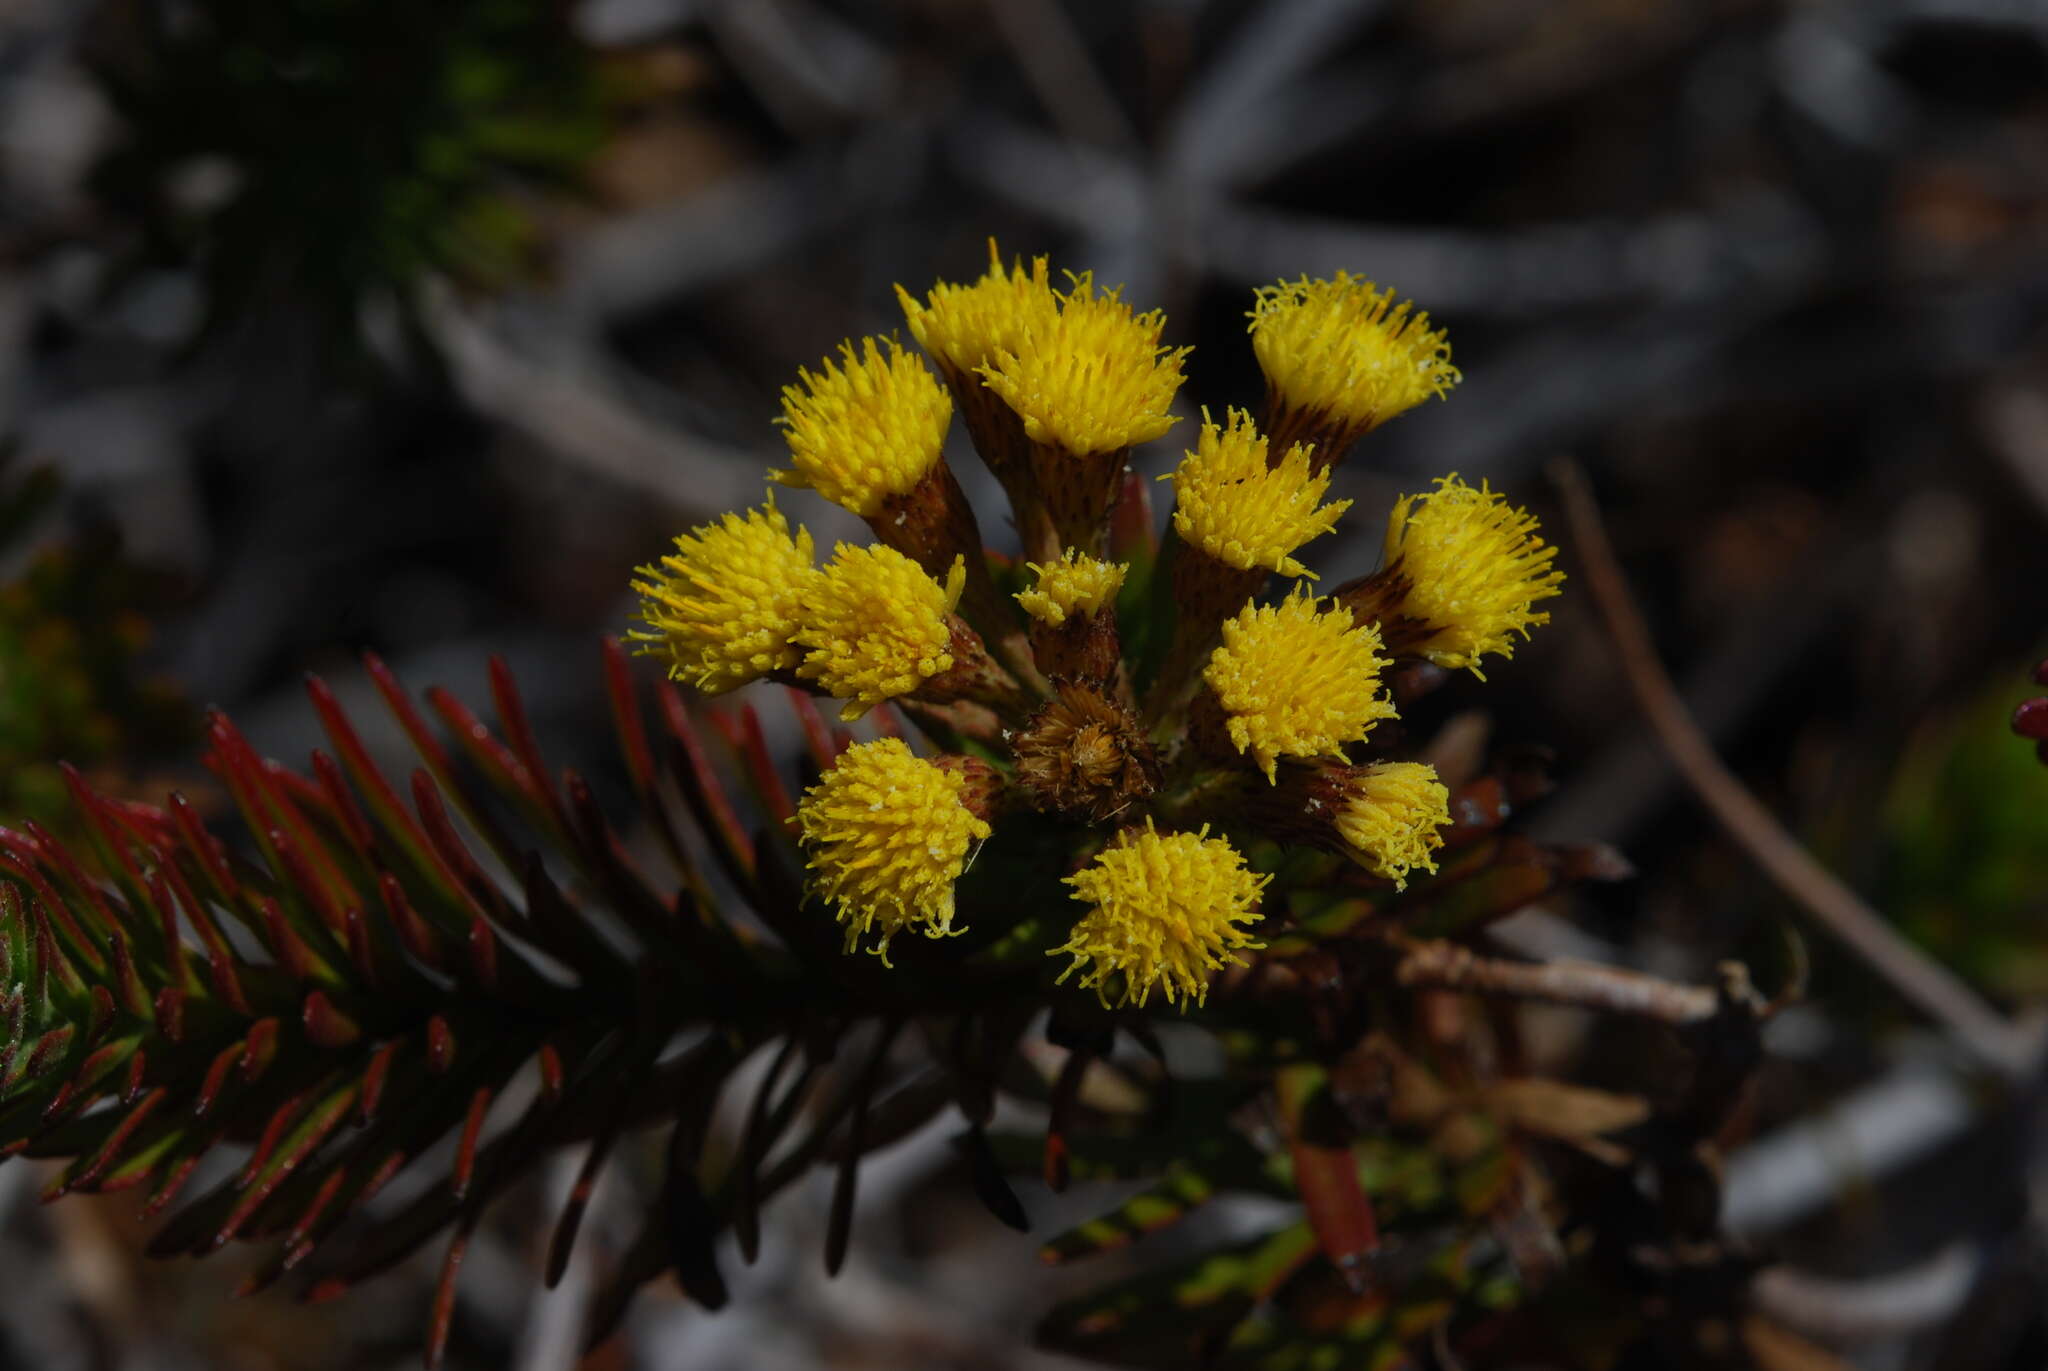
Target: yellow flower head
[
  {"x": 874, "y": 626},
  {"x": 1164, "y": 910},
  {"x": 1474, "y": 566},
  {"x": 1230, "y": 505},
  {"x": 887, "y": 835},
  {"x": 1345, "y": 349},
  {"x": 1075, "y": 584},
  {"x": 721, "y": 607},
  {"x": 1092, "y": 378},
  {"x": 866, "y": 428},
  {"x": 1297, "y": 683},
  {"x": 1390, "y": 817},
  {"x": 964, "y": 326}
]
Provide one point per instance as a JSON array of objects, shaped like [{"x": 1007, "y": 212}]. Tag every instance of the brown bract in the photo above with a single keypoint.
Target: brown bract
[
  {"x": 1084, "y": 647},
  {"x": 1084, "y": 754},
  {"x": 1379, "y": 598},
  {"x": 932, "y": 524},
  {"x": 974, "y": 677},
  {"x": 981, "y": 785}
]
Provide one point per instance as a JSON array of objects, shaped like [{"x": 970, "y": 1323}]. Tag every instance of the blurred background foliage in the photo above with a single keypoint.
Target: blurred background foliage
[
  {"x": 1966, "y": 832},
  {"x": 416, "y": 326},
  {"x": 73, "y": 623},
  {"x": 327, "y": 156}
]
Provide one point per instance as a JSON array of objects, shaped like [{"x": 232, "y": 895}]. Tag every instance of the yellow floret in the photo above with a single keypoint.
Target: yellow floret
[
  {"x": 1164, "y": 910},
  {"x": 1230, "y": 505},
  {"x": 1390, "y": 817},
  {"x": 1474, "y": 567},
  {"x": 887, "y": 837},
  {"x": 721, "y": 607},
  {"x": 1075, "y": 584},
  {"x": 865, "y": 428},
  {"x": 874, "y": 626},
  {"x": 1297, "y": 683},
  {"x": 964, "y": 326},
  {"x": 1092, "y": 378},
  {"x": 1345, "y": 349}
]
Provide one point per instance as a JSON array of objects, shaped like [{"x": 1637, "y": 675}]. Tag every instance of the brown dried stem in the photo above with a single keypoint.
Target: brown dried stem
[
  {"x": 1931, "y": 987},
  {"x": 1563, "y": 980}
]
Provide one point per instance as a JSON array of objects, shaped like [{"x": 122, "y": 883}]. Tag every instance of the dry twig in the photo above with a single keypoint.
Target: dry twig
[
  {"x": 1930, "y": 986},
  {"x": 1563, "y": 980},
  {"x": 1055, "y": 60}
]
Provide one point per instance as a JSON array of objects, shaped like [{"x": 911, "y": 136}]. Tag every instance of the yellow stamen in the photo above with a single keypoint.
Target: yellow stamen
[
  {"x": 963, "y": 327},
  {"x": 866, "y": 428},
  {"x": 1075, "y": 584},
  {"x": 1230, "y": 505},
  {"x": 1297, "y": 683},
  {"x": 1474, "y": 566},
  {"x": 875, "y": 626},
  {"x": 721, "y": 607},
  {"x": 1092, "y": 378},
  {"x": 1390, "y": 817},
  {"x": 1165, "y": 910},
  {"x": 887, "y": 836},
  {"x": 1344, "y": 349}
]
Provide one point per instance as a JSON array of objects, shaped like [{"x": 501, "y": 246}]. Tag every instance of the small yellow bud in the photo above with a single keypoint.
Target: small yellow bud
[
  {"x": 1165, "y": 910},
  {"x": 875, "y": 626},
  {"x": 1092, "y": 378},
  {"x": 1231, "y": 506},
  {"x": 721, "y": 607},
  {"x": 1343, "y": 349},
  {"x": 864, "y": 429},
  {"x": 1390, "y": 815},
  {"x": 887, "y": 836},
  {"x": 1297, "y": 683},
  {"x": 1473, "y": 567},
  {"x": 962, "y": 327},
  {"x": 1075, "y": 584}
]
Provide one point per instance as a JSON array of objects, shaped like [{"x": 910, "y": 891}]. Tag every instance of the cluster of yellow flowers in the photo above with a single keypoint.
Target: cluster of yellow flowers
[{"x": 1239, "y": 714}]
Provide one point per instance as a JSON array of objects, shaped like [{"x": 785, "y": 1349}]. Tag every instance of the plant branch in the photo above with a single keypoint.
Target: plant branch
[
  {"x": 1931, "y": 987},
  {"x": 1443, "y": 965}
]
